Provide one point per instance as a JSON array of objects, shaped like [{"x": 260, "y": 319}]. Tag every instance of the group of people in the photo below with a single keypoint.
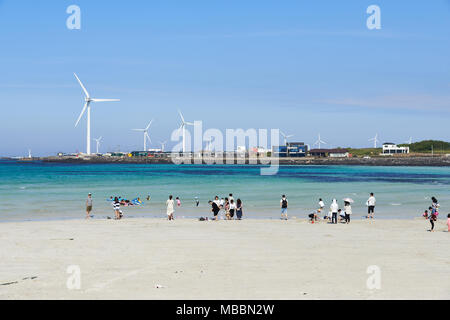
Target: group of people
[
  {"x": 432, "y": 214},
  {"x": 228, "y": 205},
  {"x": 234, "y": 209},
  {"x": 335, "y": 214}
]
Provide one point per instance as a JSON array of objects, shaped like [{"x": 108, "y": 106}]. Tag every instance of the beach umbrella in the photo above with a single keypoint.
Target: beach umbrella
[{"x": 348, "y": 200}]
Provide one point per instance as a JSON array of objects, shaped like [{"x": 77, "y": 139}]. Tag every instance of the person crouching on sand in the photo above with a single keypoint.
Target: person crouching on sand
[{"x": 170, "y": 208}]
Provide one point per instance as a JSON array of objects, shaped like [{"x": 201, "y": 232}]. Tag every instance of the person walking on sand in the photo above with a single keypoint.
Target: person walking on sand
[
  {"x": 239, "y": 209},
  {"x": 170, "y": 208},
  {"x": 284, "y": 207},
  {"x": 88, "y": 205},
  {"x": 348, "y": 211},
  {"x": 334, "y": 208},
  {"x": 371, "y": 206}
]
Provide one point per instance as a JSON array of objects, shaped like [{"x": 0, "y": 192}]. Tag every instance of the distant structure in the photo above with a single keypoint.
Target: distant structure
[
  {"x": 87, "y": 109},
  {"x": 97, "y": 141},
  {"x": 291, "y": 149},
  {"x": 375, "y": 140},
  {"x": 319, "y": 142},
  {"x": 183, "y": 129},
  {"x": 332, "y": 153},
  {"x": 390, "y": 148},
  {"x": 146, "y": 135}
]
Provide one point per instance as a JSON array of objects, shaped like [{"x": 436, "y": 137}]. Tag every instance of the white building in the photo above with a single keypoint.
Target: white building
[{"x": 391, "y": 148}]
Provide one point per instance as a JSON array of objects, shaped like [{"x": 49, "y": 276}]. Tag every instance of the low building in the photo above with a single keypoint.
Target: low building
[
  {"x": 391, "y": 148},
  {"x": 292, "y": 149},
  {"x": 332, "y": 153}
]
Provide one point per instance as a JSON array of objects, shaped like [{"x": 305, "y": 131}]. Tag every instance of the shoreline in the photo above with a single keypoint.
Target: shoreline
[
  {"x": 414, "y": 161},
  {"x": 210, "y": 218}
]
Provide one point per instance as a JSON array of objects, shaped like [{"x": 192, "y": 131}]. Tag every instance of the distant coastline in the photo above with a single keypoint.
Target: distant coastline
[{"x": 436, "y": 161}]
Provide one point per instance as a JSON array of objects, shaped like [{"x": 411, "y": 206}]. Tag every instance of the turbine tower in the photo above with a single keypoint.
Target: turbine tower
[
  {"x": 286, "y": 137},
  {"x": 409, "y": 141},
  {"x": 146, "y": 136},
  {"x": 319, "y": 142},
  {"x": 87, "y": 106},
  {"x": 29, "y": 154},
  {"x": 375, "y": 140},
  {"x": 208, "y": 144},
  {"x": 98, "y": 142},
  {"x": 163, "y": 144},
  {"x": 183, "y": 128}
]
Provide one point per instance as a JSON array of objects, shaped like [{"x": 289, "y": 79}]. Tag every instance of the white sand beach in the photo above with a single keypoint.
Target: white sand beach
[{"x": 249, "y": 259}]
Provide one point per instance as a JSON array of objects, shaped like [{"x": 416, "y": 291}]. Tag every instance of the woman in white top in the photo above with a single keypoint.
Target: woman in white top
[
  {"x": 232, "y": 208},
  {"x": 348, "y": 211},
  {"x": 170, "y": 207}
]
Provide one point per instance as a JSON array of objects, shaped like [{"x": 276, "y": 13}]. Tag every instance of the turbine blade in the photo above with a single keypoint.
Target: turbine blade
[
  {"x": 141, "y": 130},
  {"x": 182, "y": 118},
  {"x": 82, "y": 112},
  {"x": 105, "y": 100},
  {"x": 149, "y": 124},
  {"x": 82, "y": 86},
  {"x": 189, "y": 123}
]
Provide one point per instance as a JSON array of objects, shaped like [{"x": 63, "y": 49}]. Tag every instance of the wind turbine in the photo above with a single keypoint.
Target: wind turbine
[
  {"x": 319, "y": 142},
  {"x": 98, "y": 142},
  {"x": 87, "y": 106},
  {"x": 146, "y": 136},
  {"x": 183, "y": 127},
  {"x": 29, "y": 154},
  {"x": 286, "y": 137},
  {"x": 375, "y": 140},
  {"x": 208, "y": 144},
  {"x": 163, "y": 144},
  {"x": 409, "y": 141}
]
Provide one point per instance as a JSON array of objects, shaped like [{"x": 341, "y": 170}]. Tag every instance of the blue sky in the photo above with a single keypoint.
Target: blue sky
[{"x": 302, "y": 66}]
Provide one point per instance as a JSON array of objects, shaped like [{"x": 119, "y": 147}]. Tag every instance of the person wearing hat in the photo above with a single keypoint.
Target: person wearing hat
[{"x": 88, "y": 205}]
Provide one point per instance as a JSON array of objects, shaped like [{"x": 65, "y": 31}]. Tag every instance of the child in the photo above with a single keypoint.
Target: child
[
  {"x": 178, "y": 202},
  {"x": 448, "y": 222},
  {"x": 425, "y": 214},
  {"x": 341, "y": 215}
]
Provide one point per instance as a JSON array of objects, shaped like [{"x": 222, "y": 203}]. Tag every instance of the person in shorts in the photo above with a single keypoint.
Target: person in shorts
[
  {"x": 88, "y": 205},
  {"x": 371, "y": 206}
]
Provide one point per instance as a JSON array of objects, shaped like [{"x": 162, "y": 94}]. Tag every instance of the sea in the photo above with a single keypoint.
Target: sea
[{"x": 35, "y": 190}]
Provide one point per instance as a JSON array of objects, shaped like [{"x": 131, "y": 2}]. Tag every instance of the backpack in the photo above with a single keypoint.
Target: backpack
[{"x": 284, "y": 203}]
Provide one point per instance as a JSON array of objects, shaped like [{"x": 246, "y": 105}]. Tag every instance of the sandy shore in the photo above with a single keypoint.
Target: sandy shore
[{"x": 249, "y": 259}]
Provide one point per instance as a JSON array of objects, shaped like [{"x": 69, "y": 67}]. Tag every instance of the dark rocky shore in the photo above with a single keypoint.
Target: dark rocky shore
[{"x": 438, "y": 161}]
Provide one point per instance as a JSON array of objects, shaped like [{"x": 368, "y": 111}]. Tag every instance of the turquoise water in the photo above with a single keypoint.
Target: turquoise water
[{"x": 36, "y": 191}]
